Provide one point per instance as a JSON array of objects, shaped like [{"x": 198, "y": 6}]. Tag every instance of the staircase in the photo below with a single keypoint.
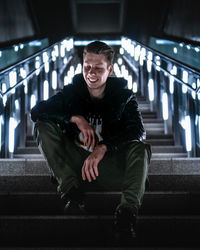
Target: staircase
[{"x": 31, "y": 214}]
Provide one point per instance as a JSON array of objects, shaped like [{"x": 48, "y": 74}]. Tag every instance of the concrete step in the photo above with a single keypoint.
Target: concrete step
[
  {"x": 165, "y": 174},
  {"x": 76, "y": 231},
  {"x": 49, "y": 203},
  {"x": 154, "y": 155},
  {"x": 29, "y": 151},
  {"x": 167, "y": 149}
]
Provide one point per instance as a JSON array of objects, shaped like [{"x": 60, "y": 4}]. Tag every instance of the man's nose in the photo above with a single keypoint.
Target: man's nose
[{"x": 92, "y": 71}]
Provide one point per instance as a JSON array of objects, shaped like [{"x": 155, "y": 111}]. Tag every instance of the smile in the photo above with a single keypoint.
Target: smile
[{"x": 92, "y": 80}]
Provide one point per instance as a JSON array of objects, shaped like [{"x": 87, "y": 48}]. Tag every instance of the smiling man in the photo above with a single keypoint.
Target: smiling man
[{"x": 90, "y": 133}]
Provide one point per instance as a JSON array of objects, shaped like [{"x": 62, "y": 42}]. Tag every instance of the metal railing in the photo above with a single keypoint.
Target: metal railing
[
  {"x": 172, "y": 88},
  {"x": 23, "y": 84}
]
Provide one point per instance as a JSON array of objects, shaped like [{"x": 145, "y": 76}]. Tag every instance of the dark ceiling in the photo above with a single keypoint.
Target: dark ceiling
[{"x": 138, "y": 19}]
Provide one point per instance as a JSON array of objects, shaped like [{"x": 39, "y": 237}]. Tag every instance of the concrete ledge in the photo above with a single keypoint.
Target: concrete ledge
[{"x": 158, "y": 166}]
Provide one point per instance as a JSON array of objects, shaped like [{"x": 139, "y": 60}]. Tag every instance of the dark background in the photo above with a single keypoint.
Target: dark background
[{"x": 23, "y": 20}]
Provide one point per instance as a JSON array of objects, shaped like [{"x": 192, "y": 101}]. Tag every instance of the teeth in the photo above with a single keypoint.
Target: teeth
[{"x": 92, "y": 80}]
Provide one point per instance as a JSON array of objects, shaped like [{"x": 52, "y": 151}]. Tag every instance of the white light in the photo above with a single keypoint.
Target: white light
[
  {"x": 17, "y": 104},
  {"x": 188, "y": 46},
  {"x": 46, "y": 67},
  {"x": 194, "y": 85},
  {"x": 119, "y": 61},
  {"x": 197, "y": 49},
  {"x": 21, "y": 46},
  {"x": 62, "y": 50},
  {"x": 4, "y": 100},
  {"x": 12, "y": 126},
  {"x": 46, "y": 90},
  {"x": 158, "y": 68},
  {"x": 171, "y": 84},
  {"x": 16, "y": 48},
  {"x": 199, "y": 128},
  {"x": 185, "y": 76},
  {"x": 149, "y": 65},
  {"x": 37, "y": 64},
  {"x": 150, "y": 55},
  {"x": 33, "y": 101},
  {"x": 137, "y": 53},
  {"x": 173, "y": 71},
  {"x": 184, "y": 89},
  {"x": 4, "y": 87},
  {"x": 198, "y": 95},
  {"x": 165, "y": 106},
  {"x": 23, "y": 73},
  {"x": 181, "y": 44},
  {"x": 130, "y": 82},
  {"x": 175, "y": 50},
  {"x": 56, "y": 50},
  {"x": 45, "y": 57},
  {"x": 188, "y": 138},
  {"x": 25, "y": 83},
  {"x": 194, "y": 95},
  {"x": 12, "y": 78},
  {"x": 54, "y": 79},
  {"x": 78, "y": 69},
  {"x": 0, "y": 53},
  {"x": 135, "y": 87},
  {"x": 151, "y": 89},
  {"x": 121, "y": 51},
  {"x": 1, "y": 119}
]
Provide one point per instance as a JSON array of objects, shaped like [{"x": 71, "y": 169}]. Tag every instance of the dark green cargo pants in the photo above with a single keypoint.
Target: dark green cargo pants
[{"x": 124, "y": 171}]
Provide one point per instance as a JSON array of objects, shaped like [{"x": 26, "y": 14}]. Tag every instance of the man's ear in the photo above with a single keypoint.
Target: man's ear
[{"x": 110, "y": 69}]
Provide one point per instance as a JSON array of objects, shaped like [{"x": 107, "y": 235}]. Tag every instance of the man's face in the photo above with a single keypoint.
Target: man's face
[{"x": 96, "y": 70}]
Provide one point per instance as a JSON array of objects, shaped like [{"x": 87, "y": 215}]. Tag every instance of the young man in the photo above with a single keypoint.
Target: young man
[{"x": 91, "y": 132}]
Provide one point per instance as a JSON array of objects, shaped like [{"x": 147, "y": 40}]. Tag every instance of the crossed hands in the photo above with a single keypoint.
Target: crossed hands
[{"x": 90, "y": 166}]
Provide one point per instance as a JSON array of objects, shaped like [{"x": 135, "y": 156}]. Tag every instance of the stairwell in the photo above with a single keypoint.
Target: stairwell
[{"x": 31, "y": 212}]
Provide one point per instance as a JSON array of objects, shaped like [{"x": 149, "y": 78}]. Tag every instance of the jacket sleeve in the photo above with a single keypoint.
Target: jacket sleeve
[
  {"x": 57, "y": 108},
  {"x": 131, "y": 127}
]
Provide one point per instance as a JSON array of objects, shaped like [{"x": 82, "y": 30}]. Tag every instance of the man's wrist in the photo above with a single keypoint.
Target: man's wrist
[{"x": 104, "y": 147}]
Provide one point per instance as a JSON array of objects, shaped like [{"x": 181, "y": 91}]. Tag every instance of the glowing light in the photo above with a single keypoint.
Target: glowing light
[
  {"x": 171, "y": 84},
  {"x": 12, "y": 126},
  {"x": 151, "y": 89},
  {"x": 25, "y": 83},
  {"x": 46, "y": 67},
  {"x": 121, "y": 51},
  {"x": 33, "y": 101},
  {"x": 119, "y": 61},
  {"x": 130, "y": 82},
  {"x": 135, "y": 88},
  {"x": 54, "y": 79},
  {"x": 174, "y": 70},
  {"x": 45, "y": 57},
  {"x": 149, "y": 65},
  {"x": 185, "y": 76},
  {"x": 46, "y": 90},
  {"x": 175, "y": 50},
  {"x": 12, "y": 78},
  {"x": 23, "y": 73},
  {"x": 4, "y": 88},
  {"x": 184, "y": 89},
  {"x": 188, "y": 137},
  {"x": 165, "y": 106},
  {"x": 17, "y": 104}
]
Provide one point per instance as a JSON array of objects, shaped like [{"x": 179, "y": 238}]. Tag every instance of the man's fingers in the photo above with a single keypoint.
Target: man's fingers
[
  {"x": 83, "y": 172},
  {"x": 88, "y": 174},
  {"x": 92, "y": 173},
  {"x": 96, "y": 169}
]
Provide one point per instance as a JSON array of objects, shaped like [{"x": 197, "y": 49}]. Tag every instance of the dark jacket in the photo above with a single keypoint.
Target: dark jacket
[{"x": 119, "y": 110}]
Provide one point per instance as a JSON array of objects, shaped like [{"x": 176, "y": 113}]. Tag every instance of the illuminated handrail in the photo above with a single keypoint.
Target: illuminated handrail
[{"x": 159, "y": 77}]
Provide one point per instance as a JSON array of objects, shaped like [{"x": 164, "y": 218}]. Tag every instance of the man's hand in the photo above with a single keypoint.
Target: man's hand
[
  {"x": 90, "y": 166},
  {"x": 90, "y": 139}
]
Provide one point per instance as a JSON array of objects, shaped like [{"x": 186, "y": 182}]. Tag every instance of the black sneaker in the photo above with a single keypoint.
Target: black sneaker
[
  {"x": 74, "y": 202},
  {"x": 124, "y": 223}
]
